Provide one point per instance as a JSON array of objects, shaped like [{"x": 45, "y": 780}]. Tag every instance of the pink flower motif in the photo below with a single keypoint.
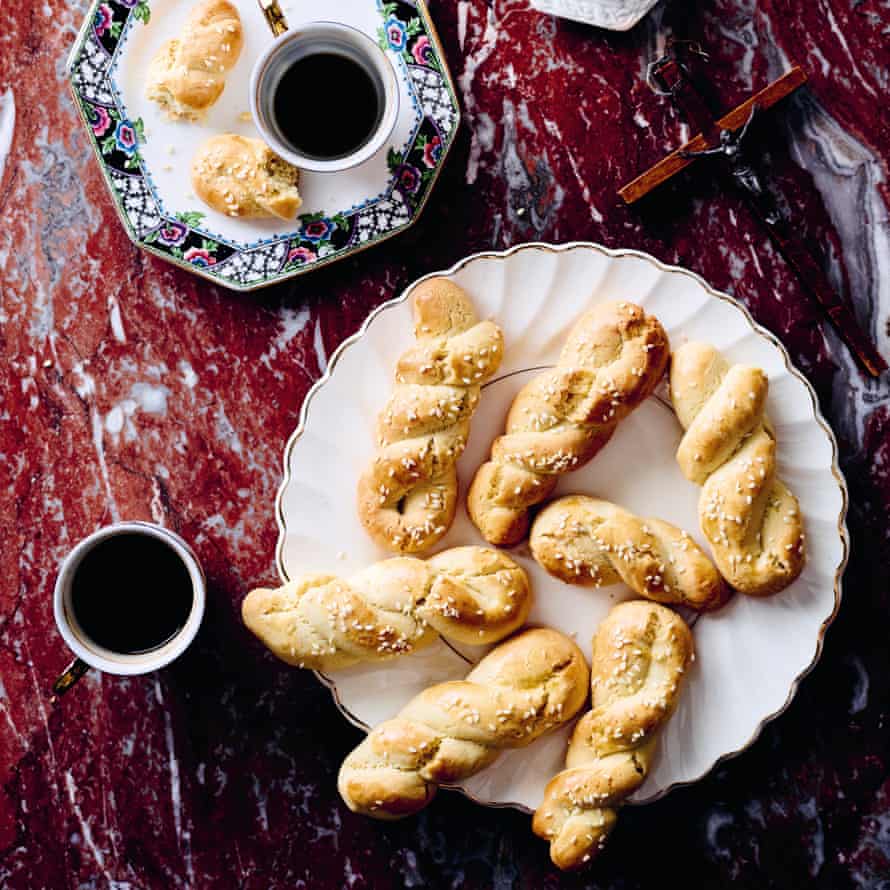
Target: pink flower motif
[
  {"x": 103, "y": 19},
  {"x": 198, "y": 256},
  {"x": 432, "y": 152},
  {"x": 99, "y": 119},
  {"x": 302, "y": 255},
  {"x": 422, "y": 50}
]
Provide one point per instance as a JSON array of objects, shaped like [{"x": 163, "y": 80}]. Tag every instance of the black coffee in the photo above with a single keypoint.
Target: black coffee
[
  {"x": 131, "y": 593},
  {"x": 327, "y": 105}
]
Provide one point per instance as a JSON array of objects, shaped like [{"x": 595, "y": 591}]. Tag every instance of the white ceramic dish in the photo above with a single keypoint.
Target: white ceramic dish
[
  {"x": 614, "y": 15},
  {"x": 146, "y": 157},
  {"x": 751, "y": 654},
  {"x": 103, "y": 659}
]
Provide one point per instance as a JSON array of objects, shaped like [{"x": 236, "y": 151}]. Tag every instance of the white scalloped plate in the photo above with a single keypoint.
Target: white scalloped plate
[{"x": 751, "y": 655}]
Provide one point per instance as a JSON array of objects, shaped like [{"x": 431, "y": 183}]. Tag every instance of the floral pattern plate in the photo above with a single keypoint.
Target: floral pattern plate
[
  {"x": 751, "y": 654},
  {"x": 146, "y": 158}
]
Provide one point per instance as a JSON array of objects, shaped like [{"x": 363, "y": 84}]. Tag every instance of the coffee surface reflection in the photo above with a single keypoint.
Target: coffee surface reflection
[
  {"x": 131, "y": 594},
  {"x": 327, "y": 105}
]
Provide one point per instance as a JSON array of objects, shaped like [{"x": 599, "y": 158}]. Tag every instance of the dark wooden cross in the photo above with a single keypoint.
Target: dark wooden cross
[{"x": 723, "y": 139}]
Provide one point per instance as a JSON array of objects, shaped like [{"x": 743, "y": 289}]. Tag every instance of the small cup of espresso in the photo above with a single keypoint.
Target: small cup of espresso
[
  {"x": 310, "y": 127},
  {"x": 129, "y": 599}
]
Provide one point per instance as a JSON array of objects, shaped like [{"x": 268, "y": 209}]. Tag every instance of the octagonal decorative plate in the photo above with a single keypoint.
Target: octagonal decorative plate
[
  {"x": 146, "y": 158},
  {"x": 751, "y": 654}
]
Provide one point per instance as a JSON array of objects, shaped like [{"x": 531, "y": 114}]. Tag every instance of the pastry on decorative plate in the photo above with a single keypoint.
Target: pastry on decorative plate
[
  {"x": 188, "y": 74},
  {"x": 240, "y": 176}
]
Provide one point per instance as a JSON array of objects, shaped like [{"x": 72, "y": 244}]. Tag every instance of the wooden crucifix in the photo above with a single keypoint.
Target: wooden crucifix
[{"x": 722, "y": 139}]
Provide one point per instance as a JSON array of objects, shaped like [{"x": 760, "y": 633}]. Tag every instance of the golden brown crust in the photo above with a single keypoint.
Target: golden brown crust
[
  {"x": 407, "y": 497},
  {"x": 243, "y": 177},
  {"x": 613, "y": 359},
  {"x": 397, "y": 606},
  {"x": 752, "y": 521},
  {"x": 641, "y": 653},
  {"x": 188, "y": 74},
  {"x": 525, "y": 687},
  {"x": 594, "y": 543}
]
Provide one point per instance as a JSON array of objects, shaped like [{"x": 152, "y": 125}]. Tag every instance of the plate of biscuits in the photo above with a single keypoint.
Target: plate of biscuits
[
  {"x": 561, "y": 527},
  {"x": 359, "y": 117}
]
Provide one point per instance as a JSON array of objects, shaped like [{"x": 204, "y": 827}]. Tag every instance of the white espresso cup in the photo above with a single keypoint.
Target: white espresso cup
[
  {"x": 90, "y": 653},
  {"x": 292, "y": 44}
]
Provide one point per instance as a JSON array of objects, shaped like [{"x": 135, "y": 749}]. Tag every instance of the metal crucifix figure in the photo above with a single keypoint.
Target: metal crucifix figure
[
  {"x": 723, "y": 141},
  {"x": 730, "y": 148}
]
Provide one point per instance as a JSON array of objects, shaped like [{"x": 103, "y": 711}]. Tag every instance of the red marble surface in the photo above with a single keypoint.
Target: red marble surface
[{"x": 132, "y": 390}]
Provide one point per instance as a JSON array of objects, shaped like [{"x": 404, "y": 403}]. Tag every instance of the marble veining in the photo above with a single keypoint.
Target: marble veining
[
  {"x": 7, "y": 126},
  {"x": 132, "y": 390}
]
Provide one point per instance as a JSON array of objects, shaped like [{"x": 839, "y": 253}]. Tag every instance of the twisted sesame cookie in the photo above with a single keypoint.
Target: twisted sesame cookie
[
  {"x": 188, "y": 74},
  {"x": 392, "y": 608},
  {"x": 408, "y": 495},
  {"x": 613, "y": 359},
  {"x": 243, "y": 177},
  {"x": 640, "y": 656},
  {"x": 525, "y": 687},
  {"x": 594, "y": 543},
  {"x": 751, "y": 519}
]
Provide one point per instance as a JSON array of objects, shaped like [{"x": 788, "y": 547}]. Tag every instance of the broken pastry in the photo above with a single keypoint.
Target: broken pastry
[
  {"x": 243, "y": 177},
  {"x": 188, "y": 74}
]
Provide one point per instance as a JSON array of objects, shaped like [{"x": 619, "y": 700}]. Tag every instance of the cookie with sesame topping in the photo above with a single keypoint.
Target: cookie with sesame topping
[
  {"x": 594, "y": 543},
  {"x": 641, "y": 653},
  {"x": 525, "y": 687},
  {"x": 407, "y": 497},
  {"x": 613, "y": 359},
  {"x": 749, "y": 516},
  {"x": 242, "y": 177},
  {"x": 188, "y": 74},
  {"x": 468, "y": 594}
]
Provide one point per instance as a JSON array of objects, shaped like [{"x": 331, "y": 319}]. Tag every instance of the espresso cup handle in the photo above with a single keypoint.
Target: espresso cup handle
[
  {"x": 70, "y": 676},
  {"x": 274, "y": 16}
]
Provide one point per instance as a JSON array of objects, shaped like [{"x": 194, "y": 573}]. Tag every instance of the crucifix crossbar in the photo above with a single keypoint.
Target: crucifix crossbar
[
  {"x": 723, "y": 140},
  {"x": 683, "y": 157}
]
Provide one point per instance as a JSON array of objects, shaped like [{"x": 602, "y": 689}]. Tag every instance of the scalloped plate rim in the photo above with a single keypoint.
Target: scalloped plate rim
[{"x": 613, "y": 253}]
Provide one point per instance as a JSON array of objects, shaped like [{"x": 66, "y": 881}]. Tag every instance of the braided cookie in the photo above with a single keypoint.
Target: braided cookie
[
  {"x": 590, "y": 542},
  {"x": 407, "y": 497},
  {"x": 531, "y": 684},
  {"x": 469, "y": 594},
  {"x": 613, "y": 359},
  {"x": 188, "y": 73},
  {"x": 640, "y": 654},
  {"x": 750, "y": 518}
]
